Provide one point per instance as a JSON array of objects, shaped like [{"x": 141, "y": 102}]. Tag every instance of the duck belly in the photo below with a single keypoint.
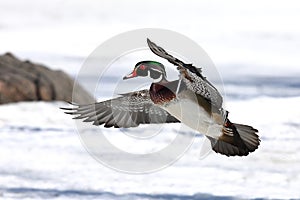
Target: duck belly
[{"x": 189, "y": 112}]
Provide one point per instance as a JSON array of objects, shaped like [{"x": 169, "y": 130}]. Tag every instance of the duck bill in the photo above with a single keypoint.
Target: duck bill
[{"x": 131, "y": 75}]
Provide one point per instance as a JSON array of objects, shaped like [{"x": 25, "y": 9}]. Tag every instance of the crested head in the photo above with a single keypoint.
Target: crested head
[{"x": 152, "y": 69}]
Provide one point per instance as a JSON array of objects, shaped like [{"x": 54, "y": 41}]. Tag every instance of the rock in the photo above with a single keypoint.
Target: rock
[{"x": 27, "y": 81}]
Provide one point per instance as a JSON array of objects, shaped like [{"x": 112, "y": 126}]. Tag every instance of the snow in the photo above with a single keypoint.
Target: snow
[
  {"x": 42, "y": 156},
  {"x": 254, "y": 46}
]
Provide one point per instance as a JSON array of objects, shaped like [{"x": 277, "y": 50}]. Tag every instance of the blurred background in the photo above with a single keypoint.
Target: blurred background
[{"x": 255, "y": 46}]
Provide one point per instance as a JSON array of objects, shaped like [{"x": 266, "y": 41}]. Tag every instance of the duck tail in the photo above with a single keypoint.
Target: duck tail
[{"x": 236, "y": 140}]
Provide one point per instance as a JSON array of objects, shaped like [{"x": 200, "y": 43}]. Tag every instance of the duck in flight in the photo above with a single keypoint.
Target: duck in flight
[{"x": 191, "y": 100}]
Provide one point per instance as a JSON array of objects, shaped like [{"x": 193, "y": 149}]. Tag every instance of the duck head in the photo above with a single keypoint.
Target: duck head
[{"x": 152, "y": 69}]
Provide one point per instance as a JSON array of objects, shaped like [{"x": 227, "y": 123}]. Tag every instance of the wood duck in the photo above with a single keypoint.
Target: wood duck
[{"x": 191, "y": 100}]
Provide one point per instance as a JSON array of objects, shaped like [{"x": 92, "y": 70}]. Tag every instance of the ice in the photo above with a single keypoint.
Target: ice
[
  {"x": 42, "y": 156},
  {"x": 254, "y": 46}
]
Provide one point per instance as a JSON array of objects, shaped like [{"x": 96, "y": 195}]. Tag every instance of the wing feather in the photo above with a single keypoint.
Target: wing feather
[
  {"x": 192, "y": 76},
  {"x": 128, "y": 110}
]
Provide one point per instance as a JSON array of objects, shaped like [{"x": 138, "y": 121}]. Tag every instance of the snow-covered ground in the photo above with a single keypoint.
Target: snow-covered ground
[
  {"x": 41, "y": 156},
  {"x": 255, "y": 46}
]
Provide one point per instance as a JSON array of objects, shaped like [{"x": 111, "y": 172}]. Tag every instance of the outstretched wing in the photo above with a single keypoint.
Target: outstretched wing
[
  {"x": 191, "y": 76},
  {"x": 129, "y": 110}
]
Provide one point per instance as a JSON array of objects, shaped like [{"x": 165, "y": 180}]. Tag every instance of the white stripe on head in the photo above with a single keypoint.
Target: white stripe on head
[{"x": 156, "y": 70}]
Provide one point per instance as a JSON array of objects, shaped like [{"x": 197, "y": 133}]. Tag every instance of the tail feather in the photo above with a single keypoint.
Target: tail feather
[
  {"x": 249, "y": 136},
  {"x": 240, "y": 142}
]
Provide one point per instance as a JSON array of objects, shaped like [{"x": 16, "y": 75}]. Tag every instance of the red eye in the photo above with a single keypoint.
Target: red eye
[{"x": 142, "y": 67}]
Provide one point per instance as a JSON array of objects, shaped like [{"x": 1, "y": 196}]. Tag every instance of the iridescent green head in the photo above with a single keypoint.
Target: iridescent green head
[{"x": 152, "y": 69}]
